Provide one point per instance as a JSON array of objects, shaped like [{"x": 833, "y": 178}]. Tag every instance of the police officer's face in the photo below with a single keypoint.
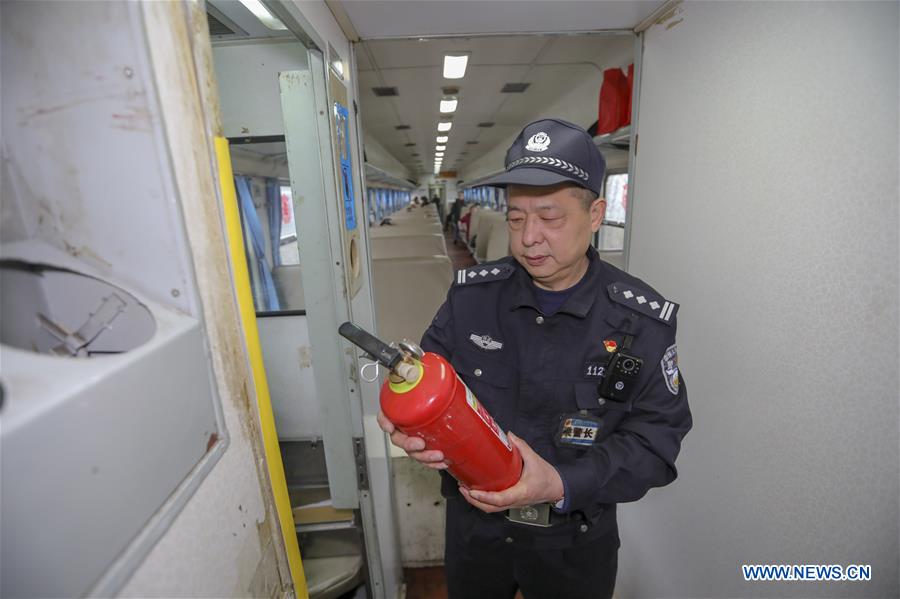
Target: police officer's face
[{"x": 550, "y": 231}]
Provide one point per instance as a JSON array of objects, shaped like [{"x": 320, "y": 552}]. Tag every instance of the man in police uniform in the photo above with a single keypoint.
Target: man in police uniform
[{"x": 577, "y": 359}]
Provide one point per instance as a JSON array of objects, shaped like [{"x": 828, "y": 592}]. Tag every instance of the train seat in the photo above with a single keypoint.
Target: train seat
[
  {"x": 408, "y": 246},
  {"x": 408, "y": 293},
  {"x": 498, "y": 244},
  {"x": 473, "y": 223},
  {"x": 486, "y": 223},
  {"x": 405, "y": 229}
]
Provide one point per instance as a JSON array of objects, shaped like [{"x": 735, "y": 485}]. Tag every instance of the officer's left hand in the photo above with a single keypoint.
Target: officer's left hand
[{"x": 539, "y": 483}]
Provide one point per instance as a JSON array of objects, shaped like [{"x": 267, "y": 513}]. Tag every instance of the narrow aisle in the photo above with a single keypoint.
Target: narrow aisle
[{"x": 458, "y": 252}]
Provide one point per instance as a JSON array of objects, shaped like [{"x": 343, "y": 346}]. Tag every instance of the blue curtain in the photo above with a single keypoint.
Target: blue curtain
[
  {"x": 273, "y": 207},
  {"x": 252, "y": 225}
]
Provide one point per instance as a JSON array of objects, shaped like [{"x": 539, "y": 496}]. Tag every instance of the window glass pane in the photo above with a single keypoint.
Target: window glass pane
[
  {"x": 616, "y": 198},
  {"x": 270, "y": 229},
  {"x": 611, "y": 237},
  {"x": 290, "y": 251}
]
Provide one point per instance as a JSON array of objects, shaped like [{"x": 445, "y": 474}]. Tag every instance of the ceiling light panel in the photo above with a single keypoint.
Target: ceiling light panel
[
  {"x": 268, "y": 19},
  {"x": 455, "y": 66},
  {"x": 448, "y": 105},
  {"x": 440, "y": 148},
  {"x": 441, "y": 139},
  {"x": 444, "y": 126}
]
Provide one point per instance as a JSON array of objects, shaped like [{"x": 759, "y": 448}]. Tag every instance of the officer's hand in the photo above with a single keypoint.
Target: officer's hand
[
  {"x": 539, "y": 483},
  {"x": 414, "y": 446}
]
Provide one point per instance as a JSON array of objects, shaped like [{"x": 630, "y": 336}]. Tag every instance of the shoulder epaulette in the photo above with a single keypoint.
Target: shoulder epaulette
[
  {"x": 484, "y": 273},
  {"x": 643, "y": 302}
]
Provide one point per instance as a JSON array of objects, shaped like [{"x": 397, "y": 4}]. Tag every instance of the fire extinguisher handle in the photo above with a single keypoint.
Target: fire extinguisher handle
[{"x": 375, "y": 347}]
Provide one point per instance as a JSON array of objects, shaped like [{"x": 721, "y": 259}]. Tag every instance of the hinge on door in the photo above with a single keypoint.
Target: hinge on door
[{"x": 362, "y": 473}]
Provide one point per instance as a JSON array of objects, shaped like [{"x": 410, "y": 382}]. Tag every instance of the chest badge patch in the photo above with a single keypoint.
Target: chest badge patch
[
  {"x": 669, "y": 365},
  {"x": 578, "y": 430},
  {"x": 610, "y": 345},
  {"x": 485, "y": 342}
]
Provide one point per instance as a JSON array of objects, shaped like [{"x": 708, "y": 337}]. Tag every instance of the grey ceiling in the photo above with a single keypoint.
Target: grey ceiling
[
  {"x": 408, "y": 18},
  {"x": 413, "y": 64},
  {"x": 415, "y": 67}
]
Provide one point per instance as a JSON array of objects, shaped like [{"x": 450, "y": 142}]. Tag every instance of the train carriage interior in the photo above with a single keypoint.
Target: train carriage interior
[{"x": 196, "y": 194}]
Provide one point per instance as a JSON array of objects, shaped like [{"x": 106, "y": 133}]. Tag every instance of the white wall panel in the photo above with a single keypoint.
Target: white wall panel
[
  {"x": 247, "y": 73},
  {"x": 765, "y": 201},
  {"x": 292, "y": 386}
]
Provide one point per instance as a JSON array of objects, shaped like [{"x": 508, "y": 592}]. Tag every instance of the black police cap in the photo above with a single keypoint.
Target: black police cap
[{"x": 551, "y": 151}]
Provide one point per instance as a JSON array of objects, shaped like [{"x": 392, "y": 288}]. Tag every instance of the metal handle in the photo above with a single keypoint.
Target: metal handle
[{"x": 377, "y": 349}]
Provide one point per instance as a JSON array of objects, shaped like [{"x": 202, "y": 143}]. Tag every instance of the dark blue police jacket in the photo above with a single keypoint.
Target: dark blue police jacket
[{"x": 536, "y": 374}]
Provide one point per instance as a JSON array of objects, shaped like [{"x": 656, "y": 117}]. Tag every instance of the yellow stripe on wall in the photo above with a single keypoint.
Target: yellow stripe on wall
[{"x": 251, "y": 333}]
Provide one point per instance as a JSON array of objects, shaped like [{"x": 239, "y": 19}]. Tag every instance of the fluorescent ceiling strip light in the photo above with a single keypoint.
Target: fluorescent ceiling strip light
[
  {"x": 441, "y": 139},
  {"x": 448, "y": 106},
  {"x": 439, "y": 154},
  {"x": 265, "y": 17},
  {"x": 440, "y": 148},
  {"x": 444, "y": 126},
  {"x": 455, "y": 66}
]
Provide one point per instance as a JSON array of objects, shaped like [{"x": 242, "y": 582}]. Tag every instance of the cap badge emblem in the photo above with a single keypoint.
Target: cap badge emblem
[{"x": 538, "y": 142}]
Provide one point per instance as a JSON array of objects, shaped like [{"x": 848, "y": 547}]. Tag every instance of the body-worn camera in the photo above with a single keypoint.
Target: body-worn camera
[{"x": 621, "y": 377}]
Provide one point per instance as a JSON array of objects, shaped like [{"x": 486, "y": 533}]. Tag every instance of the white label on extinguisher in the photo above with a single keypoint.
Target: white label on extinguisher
[{"x": 485, "y": 417}]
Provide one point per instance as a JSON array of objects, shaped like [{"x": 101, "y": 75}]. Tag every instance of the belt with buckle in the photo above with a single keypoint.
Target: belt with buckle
[{"x": 532, "y": 515}]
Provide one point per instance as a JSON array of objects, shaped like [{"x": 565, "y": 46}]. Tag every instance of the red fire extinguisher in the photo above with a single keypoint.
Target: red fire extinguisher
[{"x": 424, "y": 397}]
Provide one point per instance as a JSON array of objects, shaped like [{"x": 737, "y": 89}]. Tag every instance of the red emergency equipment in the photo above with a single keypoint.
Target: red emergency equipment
[
  {"x": 424, "y": 397},
  {"x": 614, "y": 101}
]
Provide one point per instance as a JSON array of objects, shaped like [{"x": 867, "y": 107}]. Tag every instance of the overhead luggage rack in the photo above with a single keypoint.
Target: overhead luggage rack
[
  {"x": 620, "y": 138},
  {"x": 374, "y": 174}
]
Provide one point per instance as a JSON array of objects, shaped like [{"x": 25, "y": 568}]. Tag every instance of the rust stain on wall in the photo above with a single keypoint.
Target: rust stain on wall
[
  {"x": 305, "y": 358},
  {"x": 86, "y": 252},
  {"x": 187, "y": 67}
]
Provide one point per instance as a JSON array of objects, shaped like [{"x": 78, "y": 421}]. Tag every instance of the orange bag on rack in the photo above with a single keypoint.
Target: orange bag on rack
[{"x": 613, "y": 101}]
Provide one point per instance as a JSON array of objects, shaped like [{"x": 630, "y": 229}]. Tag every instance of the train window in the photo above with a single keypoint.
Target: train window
[
  {"x": 611, "y": 236},
  {"x": 288, "y": 246},
  {"x": 266, "y": 208}
]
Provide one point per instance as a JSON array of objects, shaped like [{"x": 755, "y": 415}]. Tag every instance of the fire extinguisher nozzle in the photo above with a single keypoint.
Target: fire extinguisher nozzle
[{"x": 378, "y": 349}]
